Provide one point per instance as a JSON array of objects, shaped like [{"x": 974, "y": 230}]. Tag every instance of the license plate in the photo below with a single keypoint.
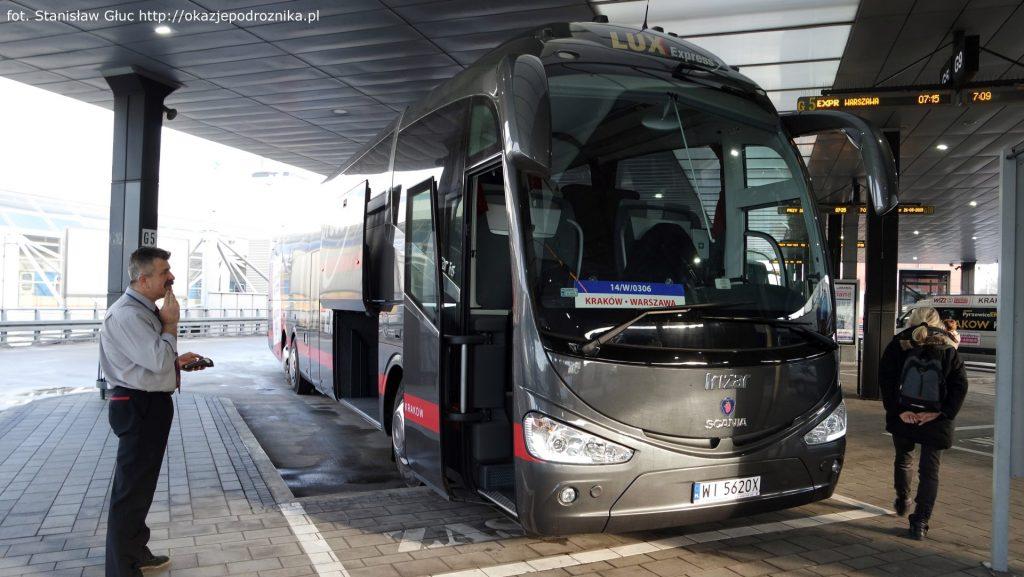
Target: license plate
[{"x": 726, "y": 490}]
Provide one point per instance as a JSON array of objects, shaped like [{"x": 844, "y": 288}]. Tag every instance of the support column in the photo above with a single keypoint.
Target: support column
[
  {"x": 1008, "y": 457},
  {"x": 881, "y": 268},
  {"x": 967, "y": 277},
  {"x": 835, "y": 232},
  {"x": 134, "y": 183},
  {"x": 851, "y": 233}
]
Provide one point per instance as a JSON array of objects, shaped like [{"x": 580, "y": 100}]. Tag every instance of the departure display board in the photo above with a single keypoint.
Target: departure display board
[
  {"x": 802, "y": 244},
  {"x": 861, "y": 208},
  {"x": 968, "y": 96}
]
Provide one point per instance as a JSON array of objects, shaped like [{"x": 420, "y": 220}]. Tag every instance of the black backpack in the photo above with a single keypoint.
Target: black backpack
[{"x": 922, "y": 380}]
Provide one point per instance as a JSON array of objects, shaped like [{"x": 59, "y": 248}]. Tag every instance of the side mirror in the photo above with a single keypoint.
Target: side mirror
[
  {"x": 527, "y": 110},
  {"x": 879, "y": 162}
]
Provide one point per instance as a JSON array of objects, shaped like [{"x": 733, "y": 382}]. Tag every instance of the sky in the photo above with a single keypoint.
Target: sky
[{"x": 57, "y": 147}]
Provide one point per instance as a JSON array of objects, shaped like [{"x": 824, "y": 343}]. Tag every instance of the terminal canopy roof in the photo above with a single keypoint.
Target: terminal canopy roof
[{"x": 310, "y": 93}]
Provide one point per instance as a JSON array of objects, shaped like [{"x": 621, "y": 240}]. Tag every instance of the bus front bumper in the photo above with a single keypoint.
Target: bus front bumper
[{"x": 663, "y": 498}]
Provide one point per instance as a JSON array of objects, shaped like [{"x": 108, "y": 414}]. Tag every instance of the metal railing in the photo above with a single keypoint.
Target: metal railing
[{"x": 22, "y": 327}]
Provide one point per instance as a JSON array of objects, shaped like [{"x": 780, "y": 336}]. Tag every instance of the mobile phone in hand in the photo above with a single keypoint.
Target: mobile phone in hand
[{"x": 200, "y": 362}]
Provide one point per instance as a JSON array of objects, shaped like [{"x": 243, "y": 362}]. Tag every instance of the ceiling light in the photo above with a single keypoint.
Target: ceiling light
[
  {"x": 973, "y": 203},
  {"x": 340, "y": 111},
  {"x": 942, "y": 147},
  {"x": 734, "y": 152},
  {"x": 915, "y": 258},
  {"x": 163, "y": 29},
  {"x": 658, "y": 195},
  {"x": 974, "y": 238},
  {"x": 917, "y": 232}
]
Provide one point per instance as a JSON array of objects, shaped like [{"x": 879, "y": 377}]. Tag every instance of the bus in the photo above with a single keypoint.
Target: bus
[
  {"x": 976, "y": 319},
  {"x": 583, "y": 280}
]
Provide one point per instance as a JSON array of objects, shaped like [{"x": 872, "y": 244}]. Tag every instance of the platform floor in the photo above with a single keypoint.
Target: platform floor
[{"x": 223, "y": 508}]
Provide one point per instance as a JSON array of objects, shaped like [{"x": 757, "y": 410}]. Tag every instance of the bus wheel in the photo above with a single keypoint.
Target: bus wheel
[
  {"x": 398, "y": 440},
  {"x": 291, "y": 372}
]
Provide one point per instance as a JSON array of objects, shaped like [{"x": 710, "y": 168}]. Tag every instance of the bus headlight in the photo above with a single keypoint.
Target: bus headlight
[
  {"x": 832, "y": 428},
  {"x": 550, "y": 440}
]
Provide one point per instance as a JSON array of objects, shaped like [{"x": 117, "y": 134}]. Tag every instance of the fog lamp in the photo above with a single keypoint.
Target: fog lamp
[{"x": 568, "y": 495}]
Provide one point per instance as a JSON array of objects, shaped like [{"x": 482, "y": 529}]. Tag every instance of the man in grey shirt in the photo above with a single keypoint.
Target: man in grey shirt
[{"x": 138, "y": 356}]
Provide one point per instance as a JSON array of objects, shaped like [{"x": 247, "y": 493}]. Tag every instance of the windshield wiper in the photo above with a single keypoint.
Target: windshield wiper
[
  {"x": 798, "y": 327},
  {"x": 592, "y": 346}
]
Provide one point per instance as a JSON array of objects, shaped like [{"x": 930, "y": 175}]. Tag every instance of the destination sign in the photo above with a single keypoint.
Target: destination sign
[
  {"x": 860, "y": 208},
  {"x": 802, "y": 244},
  {"x": 968, "y": 96}
]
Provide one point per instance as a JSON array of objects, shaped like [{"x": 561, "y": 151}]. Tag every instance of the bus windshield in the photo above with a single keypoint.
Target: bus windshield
[{"x": 663, "y": 193}]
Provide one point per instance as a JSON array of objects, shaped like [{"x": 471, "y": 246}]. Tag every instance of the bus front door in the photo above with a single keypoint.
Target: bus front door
[{"x": 421, "y": 351}]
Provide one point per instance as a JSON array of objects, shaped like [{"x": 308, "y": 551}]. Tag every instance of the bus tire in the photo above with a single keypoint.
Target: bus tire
[
  {"x": 398, "y": 440},
  {"x": 291, "y": 371}
]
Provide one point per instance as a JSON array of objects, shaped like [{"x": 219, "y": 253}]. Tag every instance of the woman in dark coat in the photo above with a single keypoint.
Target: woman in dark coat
[{"x": 909, "y": 425}]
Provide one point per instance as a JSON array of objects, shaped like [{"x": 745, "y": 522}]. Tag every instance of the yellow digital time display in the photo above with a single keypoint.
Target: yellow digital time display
[
  {"x": 873, "y": 100},
  {"x": 979, "y": 95},
  {"x": 967, "y": 97},
  {"x": 860, "y": 208}
]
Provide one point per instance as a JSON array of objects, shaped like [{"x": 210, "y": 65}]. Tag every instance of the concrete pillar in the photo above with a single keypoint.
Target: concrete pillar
[
  {"x": 880, "y": 290},
  {"x": 134, "y": 183},
  {"x": 967, "y": 277},
  {"x": 9, "y": 272},
  {"x": 1008, "y": 450}
]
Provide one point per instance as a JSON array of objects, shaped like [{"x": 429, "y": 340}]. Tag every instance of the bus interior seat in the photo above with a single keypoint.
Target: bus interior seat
[
  {"x": 493, "y": 265},
  {"x": 635, "y": 219},
  {"x": 664, "y": 254},
  {"x": 595, "y": 211},
  {"x": 757, "y": 273}
]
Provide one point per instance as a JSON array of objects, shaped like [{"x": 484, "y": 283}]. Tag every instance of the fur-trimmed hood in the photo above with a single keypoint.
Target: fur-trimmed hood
[{"x": 936, "y": 337}]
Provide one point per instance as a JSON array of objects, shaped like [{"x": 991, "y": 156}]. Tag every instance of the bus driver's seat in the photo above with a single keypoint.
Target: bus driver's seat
[{"x": 664, "y": 254}]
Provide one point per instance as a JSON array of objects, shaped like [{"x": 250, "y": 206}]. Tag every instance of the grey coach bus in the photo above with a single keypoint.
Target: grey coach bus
[{"x": 566, "y": 282}]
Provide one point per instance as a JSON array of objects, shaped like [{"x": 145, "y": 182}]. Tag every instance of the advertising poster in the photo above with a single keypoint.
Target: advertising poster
[{"x": 846, "y": 311}]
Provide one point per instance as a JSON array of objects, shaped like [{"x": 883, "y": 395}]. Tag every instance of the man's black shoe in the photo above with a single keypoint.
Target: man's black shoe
[
  {"x": 918, "y": 530},
  {"x": 155, "y": 563},
  {"x": 901, "y": 506}
]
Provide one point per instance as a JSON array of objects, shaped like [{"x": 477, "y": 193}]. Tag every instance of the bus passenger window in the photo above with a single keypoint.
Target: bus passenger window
[
  {"x": 421, "y": 256},
  {"x": 763, "y": 266},
  {"x": 776, "y": 247},
  {"x": 483, "y": 130},
  {"x": 762, "y": 166}
]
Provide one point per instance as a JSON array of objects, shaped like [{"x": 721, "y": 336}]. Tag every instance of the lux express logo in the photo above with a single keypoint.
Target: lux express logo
[{"x": 651, "y": 44}]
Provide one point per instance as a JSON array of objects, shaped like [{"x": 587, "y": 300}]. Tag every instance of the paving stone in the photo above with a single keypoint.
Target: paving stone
[{"x": 215, "y": 513}]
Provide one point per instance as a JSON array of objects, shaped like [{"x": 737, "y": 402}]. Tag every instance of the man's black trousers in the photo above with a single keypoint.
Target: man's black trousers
[
  {"x": 141, "y": 422},
  {"x": 927, "y": 471}
]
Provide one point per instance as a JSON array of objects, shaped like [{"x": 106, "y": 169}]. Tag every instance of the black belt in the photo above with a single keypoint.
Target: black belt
[{"x": 128, "y": 390}]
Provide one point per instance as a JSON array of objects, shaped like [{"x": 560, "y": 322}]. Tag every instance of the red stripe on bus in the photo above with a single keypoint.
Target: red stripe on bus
[
  {"x": 120, "y": 398},
  {"x": 519, "y": 445},
  {"x": 422, "y": 412},
  {"x": 322, "y": 358}
]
